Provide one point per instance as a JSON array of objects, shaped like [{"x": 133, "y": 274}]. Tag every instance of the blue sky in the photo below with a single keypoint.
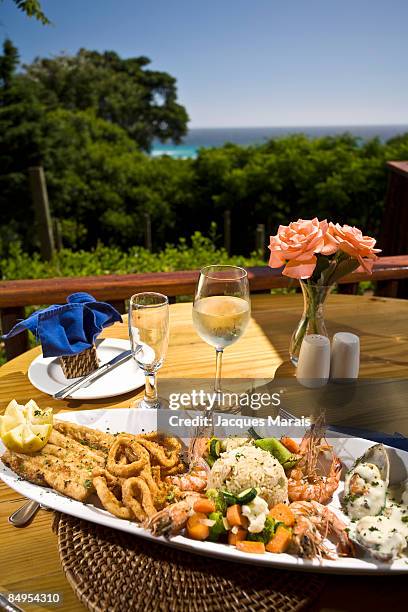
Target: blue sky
[{"x": 246, "y": 62}]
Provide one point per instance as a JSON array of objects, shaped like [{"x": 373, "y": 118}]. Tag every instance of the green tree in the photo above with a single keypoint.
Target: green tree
[
  {"x": 141, "y": 101},
  {"x": 32, "y": 8},
  {"x": 20, "y": 143}
]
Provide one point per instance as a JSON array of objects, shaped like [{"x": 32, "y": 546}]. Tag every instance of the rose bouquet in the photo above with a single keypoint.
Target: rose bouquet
[{"x": 318, "y": 253}]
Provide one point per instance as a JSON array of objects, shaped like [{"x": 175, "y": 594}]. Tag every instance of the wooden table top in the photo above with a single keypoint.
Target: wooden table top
[{"x": 29, "y": 558}]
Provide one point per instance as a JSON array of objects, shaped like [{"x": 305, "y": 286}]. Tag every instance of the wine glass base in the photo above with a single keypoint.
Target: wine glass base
[
  {"x": 294, "y": 359},
  {"x": 157, "y": 404}
]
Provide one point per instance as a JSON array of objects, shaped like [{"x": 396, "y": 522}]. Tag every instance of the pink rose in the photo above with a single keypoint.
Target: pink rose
[
  {"x": 296, "y": 245},
  {"x": 350, "y": 240}
]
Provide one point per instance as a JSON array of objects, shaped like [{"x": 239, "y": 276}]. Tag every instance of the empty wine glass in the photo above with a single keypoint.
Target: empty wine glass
[
  {"x": 221, "y": 309},
  {"x": 149, "y": 338}
]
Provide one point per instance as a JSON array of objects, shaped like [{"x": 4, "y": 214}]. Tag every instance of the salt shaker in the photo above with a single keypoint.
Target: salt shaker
[
  {"x": 345, "y": 359},
  {"x": 313, "y": 367}
]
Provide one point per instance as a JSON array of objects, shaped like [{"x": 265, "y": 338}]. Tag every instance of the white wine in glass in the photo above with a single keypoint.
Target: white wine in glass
[{"x": 221, "y": 309}]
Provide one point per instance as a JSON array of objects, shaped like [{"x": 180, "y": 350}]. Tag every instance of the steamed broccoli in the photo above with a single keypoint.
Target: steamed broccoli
[
  {"x": 267, "y": 532},
  {"x": 219, "y": 500}
]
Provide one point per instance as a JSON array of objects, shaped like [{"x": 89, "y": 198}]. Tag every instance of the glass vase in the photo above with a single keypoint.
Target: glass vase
[{"x": 312, "y": 321}]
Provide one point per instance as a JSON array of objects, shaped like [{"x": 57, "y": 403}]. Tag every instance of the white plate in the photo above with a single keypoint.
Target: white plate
[
  {"x": 46, "y": 374},
  {"x": 136, "y": 421}
]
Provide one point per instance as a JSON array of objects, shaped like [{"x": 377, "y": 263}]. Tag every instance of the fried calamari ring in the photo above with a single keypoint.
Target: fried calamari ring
[
  {"x": 111, "y": 480},
  {"x": 169, "y": 442},
  {"x": 145, "y": 472},
  {"x": 129, "y": 469},
  {"x": 147, "y": 476},
  {"x": 159, "y": 455},
  {"x": 152, "y": 435},
  {"x": 155, "y": 469},
  {"x": 179, "y": 468},
  {"x": 109, "y": 501},
  {"x": 130, "y": 488}
]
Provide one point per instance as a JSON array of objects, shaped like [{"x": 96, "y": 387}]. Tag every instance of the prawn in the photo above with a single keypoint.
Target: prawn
[
  {"x": 172, "y": 519},
  {"x": 314, "y": 523},
  {"x": 195, "y": 479},
  {"x": 306, "y": 482}
]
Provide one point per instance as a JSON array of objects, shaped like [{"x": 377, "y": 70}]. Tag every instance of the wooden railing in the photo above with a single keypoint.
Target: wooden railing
[{"x": 16, "y": 295}]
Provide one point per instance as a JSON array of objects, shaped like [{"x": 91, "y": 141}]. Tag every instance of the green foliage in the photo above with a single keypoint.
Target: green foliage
[
  {"x": 82, "y": 118},
  {"x": 111, "y": 260},
  {"x": 142, "y": 102},
  {"x": 32, "y": 8}
]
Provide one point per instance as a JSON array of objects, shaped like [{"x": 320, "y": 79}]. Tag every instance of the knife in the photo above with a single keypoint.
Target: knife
[{"x": 85, "y": 381}]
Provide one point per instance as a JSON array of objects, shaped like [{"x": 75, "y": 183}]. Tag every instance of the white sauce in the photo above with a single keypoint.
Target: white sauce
[
  {"x": 372, "y": 500},
  {"x": 386, "y": 535},
  {"x": 383, "y": 534},
  {"x": 256, "y": 512}
]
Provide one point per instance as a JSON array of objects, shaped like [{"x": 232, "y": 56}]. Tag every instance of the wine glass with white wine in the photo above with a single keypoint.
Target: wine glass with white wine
[{"x": 221, "y": 309}]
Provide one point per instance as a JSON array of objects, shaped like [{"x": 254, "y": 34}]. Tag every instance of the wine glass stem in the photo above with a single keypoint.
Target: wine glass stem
[
  {"x": 218, "y": 365},
  {"x": 150, "y": 388}
]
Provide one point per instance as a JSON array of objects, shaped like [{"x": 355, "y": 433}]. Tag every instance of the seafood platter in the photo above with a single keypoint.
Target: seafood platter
[{"x": 319, "y": 503}]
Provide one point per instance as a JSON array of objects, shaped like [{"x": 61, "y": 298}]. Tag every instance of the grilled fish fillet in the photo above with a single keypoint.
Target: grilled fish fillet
[
  {"x": 66, "y": 462},
  {"x": 68, "y": 478}
]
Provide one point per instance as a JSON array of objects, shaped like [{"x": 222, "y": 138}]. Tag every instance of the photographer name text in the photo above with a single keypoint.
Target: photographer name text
[{"x": 219, "y": 420}]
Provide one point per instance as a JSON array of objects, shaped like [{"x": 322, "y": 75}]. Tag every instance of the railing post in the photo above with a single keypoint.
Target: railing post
[
  {"x": 260, "y": 239},
  {"x": 148, "y": 232},
  {"x": 39, "y": 196},
  {"x": 227, "y": 231},
  {"x": 58, "y": 234},
  {"x": 394, "y": 228},
  {"x": 120, "y": 305}
]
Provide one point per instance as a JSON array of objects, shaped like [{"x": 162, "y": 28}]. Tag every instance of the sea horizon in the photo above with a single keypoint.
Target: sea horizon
[{"x": 207, "y": 137}]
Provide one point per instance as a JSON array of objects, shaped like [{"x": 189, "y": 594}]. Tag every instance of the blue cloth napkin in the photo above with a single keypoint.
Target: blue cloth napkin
[{"x": 70, "y": 328}]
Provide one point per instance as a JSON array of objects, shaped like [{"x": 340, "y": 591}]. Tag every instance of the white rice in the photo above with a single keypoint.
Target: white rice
[
  {"x": 250, "y": 466},
  {"x": 231, "y": 443}
]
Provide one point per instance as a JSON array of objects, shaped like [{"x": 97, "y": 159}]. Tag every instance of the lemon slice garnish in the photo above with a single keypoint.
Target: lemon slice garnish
[
  {"x": 14, "y": 415},
  {"x": 25, "y": 429},
  {"x": 13, "y": 439},
  {"x": 7, "y": 422},
  {"x": 16, "y": 412},
  {"x": 35, "y": 415}
]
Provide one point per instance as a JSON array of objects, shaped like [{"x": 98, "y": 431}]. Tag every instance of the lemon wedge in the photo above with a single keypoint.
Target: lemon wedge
[{"x": 25, "y": 429}]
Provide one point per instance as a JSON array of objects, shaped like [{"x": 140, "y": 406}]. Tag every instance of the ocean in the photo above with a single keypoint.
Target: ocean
[{"x": 216, "y": 137}]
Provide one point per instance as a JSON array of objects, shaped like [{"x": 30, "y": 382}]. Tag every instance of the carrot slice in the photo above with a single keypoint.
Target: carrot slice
[
  {"x": 233, "y": 538},
  {"x": 251, "y": 547},
  {"x": 204, "y": 505},
  {"x": 235, "y": 516},
  {"x": 280, "y": 541},
  {"x": 195, "y": 529},
  {"x": 290, "y": 444},
  {"x": 283, "y": 514}
]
